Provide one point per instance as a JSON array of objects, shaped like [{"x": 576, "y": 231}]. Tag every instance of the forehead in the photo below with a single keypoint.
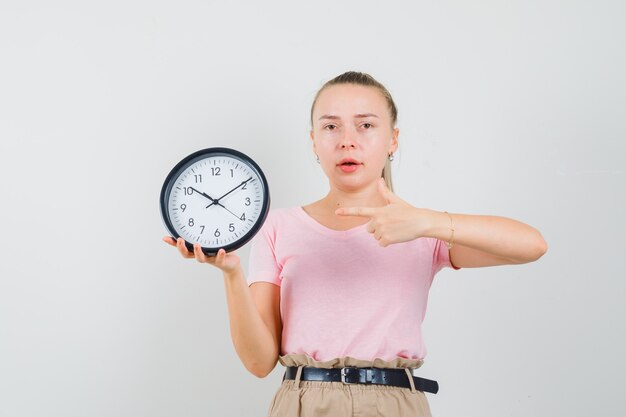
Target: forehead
[{"x": 348, "y": 99}]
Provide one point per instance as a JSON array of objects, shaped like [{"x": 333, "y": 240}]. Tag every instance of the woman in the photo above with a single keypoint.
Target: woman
[{"x": 337, "y": 289}]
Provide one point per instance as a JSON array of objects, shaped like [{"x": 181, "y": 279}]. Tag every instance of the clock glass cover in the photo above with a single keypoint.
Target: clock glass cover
[{"x": 217, "y": 197}]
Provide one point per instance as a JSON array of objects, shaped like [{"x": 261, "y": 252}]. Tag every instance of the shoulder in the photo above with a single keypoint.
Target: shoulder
[
  {"x": 280, "y": 216},
  {"x": 424, "y": 246},
  {"x": 279, "y": 213},
  {"x": 278, "y": 222}
]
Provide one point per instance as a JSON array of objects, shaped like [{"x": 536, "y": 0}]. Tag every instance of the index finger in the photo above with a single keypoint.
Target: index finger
[{"x": 356, "y": 211}]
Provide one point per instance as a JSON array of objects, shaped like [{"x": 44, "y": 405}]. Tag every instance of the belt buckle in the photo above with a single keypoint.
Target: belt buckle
[{"x": 343, "y": 375}]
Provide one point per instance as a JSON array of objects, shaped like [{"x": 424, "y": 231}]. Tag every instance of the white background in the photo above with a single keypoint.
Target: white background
[{"x": 511, "y": 108}]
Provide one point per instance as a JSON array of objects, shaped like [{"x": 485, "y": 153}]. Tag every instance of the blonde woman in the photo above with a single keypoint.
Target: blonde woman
[{"x": 337, "y": 289}]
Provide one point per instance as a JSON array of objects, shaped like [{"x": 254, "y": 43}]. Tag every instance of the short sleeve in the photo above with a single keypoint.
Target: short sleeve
[
  {"x": 262, "y": 264},
  {"x": 441, "y": 256}
]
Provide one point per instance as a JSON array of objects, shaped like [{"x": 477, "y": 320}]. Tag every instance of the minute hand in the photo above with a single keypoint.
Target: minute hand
[{"x": 217, "y": 200}]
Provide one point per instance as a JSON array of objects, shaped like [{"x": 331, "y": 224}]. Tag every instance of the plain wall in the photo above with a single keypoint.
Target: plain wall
[{"x": 511, "y": 108}]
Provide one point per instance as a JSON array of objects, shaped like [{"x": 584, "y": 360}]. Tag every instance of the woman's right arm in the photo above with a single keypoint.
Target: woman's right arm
[
  {"x": 254, "y": 311},
  {"x": 255, "y": 324}
]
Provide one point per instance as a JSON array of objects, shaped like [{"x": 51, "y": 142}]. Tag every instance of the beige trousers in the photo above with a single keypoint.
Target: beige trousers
[{"x": 296, "y": 398}]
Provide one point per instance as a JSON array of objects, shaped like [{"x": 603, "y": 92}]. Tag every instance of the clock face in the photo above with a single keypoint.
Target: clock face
[{"x": 217, "y": 197}]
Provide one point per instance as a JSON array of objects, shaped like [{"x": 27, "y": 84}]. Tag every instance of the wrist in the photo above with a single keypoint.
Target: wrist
[
  {"x": 234, "y": 274},
  {"x": 450, "y": 242},
  {"x": 439, "y": 225}
]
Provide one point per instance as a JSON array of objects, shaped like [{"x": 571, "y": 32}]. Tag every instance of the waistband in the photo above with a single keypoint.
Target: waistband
[{"x": 303, "y": 359}]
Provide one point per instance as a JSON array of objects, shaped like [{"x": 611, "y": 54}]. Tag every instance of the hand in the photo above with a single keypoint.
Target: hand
[
  {"x": 396, "y": 222},
  {"x": 227, "y": 262}
]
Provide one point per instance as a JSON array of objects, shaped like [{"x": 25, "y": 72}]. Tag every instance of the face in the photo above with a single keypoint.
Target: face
[{"x": 352, "y": 122}]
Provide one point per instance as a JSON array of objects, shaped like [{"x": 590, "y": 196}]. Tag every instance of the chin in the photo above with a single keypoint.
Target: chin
[{"x": 352, "y": 182}]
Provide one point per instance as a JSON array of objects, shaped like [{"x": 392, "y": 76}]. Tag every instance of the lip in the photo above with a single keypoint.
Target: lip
[
  {"x": 349, "y": 168},
  {"x": 344, "y": 160}
]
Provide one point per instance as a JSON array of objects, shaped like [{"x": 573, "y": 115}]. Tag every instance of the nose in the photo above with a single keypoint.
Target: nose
[{"x": 348, "y": 139}]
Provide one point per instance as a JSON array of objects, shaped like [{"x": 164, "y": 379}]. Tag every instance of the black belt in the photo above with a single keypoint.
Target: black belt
[{"x": 352, "y": 375}]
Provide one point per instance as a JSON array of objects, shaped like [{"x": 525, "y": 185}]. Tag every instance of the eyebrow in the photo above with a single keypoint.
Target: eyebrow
[{"x": 333, "y": 117}]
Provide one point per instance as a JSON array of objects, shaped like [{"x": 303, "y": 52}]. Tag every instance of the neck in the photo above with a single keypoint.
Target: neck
[{"x": 364, "y": 197}]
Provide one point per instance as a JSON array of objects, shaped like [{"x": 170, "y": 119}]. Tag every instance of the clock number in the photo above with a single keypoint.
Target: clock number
[
  {"x": 190, "y": 223},
  {"x": 217, "y": 233},
  {"x": 183, "y": 207},
  {"x": 198, "y": 178},
  {"x": 215, "y": 171},
  {"x": 247, "y": 201},
  {"x": 202, "y": 231},
  {"x": 244, "y": 186},
  {"x": 188, "y": 190},
  {"x": 231, "y": 227},
  {"x": 243, "y": 217}
]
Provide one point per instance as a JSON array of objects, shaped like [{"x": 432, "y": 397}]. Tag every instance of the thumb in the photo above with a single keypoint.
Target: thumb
[{"x": 386, "y": 192}]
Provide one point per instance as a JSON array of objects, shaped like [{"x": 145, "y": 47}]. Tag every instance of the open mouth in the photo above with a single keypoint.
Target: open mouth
[
  {"x": 348, "y": 162},
  {"x": 349, "y": 165}
]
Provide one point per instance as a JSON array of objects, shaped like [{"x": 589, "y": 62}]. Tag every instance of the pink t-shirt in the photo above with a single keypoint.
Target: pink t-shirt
[{"x": 341, "y": 293}]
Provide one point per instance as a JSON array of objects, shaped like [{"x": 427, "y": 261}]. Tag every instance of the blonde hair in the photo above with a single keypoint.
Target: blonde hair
[{"x": 364, "y": 79}]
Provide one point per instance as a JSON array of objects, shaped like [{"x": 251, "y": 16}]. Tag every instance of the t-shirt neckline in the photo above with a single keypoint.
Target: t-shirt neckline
[{"x": 326, "y": 230}]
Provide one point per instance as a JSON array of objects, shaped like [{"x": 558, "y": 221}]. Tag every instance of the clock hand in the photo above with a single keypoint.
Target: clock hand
[
  {"x": 220, "y": 204},
  {"x": 217, "y": 200},
  {"x": 203, "y": 194}
]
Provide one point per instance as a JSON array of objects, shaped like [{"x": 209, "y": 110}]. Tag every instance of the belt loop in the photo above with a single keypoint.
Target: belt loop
[
  {"x": 411, "y": 381},
  {"x": 298, "y": 376}
]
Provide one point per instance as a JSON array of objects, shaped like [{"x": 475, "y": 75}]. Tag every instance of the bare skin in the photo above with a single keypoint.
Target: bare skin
[
  {"x": 253, "y": 311},
  {"x": 352, "y": 121}
]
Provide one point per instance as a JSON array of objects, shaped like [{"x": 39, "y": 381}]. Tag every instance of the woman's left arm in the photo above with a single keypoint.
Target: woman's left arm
[{"x": 481, "y": 240}]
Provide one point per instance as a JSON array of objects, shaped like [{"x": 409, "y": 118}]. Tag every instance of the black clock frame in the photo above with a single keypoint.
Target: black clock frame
[{"x": 190, "y": 160}]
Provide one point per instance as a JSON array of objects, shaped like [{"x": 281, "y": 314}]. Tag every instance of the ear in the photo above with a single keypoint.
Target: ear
[
  {"x": 394, "y": 141},
  {"x": 312, "y": 136}
]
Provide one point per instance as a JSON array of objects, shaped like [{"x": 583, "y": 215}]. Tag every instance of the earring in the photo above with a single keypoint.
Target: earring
[
  {"x": 318, "y": 158},
  {"x": 391, "y": 156}
]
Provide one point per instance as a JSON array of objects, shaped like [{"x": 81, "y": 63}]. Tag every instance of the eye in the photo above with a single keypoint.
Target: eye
[
  {"x": 367, "y": 125},
  {"x": 330, "y": 127}
]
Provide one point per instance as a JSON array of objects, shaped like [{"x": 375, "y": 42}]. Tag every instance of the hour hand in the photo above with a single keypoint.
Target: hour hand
[{"x": 203, "y": 194}]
